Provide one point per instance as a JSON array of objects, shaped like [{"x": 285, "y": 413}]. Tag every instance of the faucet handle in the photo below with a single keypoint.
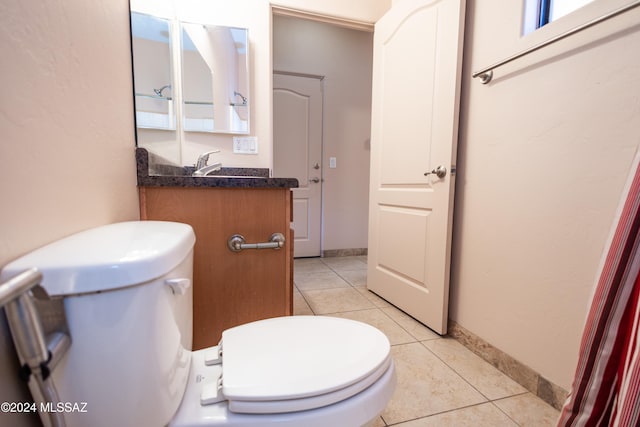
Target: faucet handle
[{"x": 204, "y": 158}]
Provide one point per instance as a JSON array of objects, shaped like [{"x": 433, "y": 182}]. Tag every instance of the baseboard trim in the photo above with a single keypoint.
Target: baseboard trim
[
  {"x": 551, "y": 393},
  {"x": 330, "y": 253}
]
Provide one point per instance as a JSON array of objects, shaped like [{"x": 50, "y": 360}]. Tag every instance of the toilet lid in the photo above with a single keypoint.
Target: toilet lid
[{"x": 300, "y": 362}]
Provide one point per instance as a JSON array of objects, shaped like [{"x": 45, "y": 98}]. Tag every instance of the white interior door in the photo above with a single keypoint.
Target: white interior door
[
  {"x": 416, "y": 79},
  {"x": 297, "y": 153}
]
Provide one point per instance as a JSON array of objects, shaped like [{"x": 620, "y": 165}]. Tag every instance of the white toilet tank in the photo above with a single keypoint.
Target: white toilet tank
[{"x": 128, "y": 301}]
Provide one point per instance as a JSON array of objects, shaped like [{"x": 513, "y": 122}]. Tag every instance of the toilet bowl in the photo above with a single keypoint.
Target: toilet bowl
[{"x": 127, "y": 297}]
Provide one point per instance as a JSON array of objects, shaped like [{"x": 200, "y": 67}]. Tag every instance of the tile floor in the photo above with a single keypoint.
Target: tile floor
[{"x": 440, "y": 382}]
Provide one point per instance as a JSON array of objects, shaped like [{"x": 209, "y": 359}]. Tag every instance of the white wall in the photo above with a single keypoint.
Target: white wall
[
  {"x": 344, "y": 57},
  {"x": 66, "y": 125},
  {"x": 544, "y": 153}
]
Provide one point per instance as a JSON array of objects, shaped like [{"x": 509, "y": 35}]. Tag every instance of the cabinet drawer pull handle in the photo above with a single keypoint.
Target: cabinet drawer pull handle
[{"x": 237, "y": 243}]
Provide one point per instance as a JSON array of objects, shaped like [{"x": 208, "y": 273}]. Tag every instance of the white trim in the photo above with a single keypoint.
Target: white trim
[{"x": 333, "y": 20}]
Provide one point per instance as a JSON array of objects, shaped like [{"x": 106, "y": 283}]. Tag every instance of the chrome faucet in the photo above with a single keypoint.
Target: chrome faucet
[
  {"x": 201, "y": 164},
  {"x": 204, "y": 158}
]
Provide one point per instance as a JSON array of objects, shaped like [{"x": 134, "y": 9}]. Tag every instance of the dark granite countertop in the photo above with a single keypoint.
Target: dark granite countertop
[{"x": 180, "y": 176}]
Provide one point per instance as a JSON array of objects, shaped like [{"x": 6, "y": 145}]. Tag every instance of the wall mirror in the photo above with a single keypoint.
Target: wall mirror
[
  {"x": 152, "y": 72},
  {"x": 215, "y": 84},
  {"x": 188, "y": 79}
]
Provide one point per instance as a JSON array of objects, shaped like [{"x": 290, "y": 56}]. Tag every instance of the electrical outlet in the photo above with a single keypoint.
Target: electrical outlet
[{"x": 245, "y": 144}]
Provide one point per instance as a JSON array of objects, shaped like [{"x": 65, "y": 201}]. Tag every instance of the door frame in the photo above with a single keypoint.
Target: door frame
[{"x": 320, "y": 79}]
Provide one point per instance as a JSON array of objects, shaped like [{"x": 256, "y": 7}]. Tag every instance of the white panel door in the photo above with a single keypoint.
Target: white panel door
[
  {"x": 297, "y": 153},
  {"x": 416, "y": 82}
]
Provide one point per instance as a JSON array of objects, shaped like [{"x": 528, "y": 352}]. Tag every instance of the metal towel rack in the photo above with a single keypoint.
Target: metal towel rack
[{"x": 486, "y": 74}]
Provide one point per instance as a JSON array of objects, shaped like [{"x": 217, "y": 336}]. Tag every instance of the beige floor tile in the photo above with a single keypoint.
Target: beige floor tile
[
  {"x": 425, "y": 386},
  {"x": 300, "y": 306},
  {"x": 309, "y": 265},
  {"x": 483, "y": 376},
  {"x": 375, "y": 299},
  {"x": 528, "y": 411},
  {"x": 336, "y": 300},
  {"x": 484, "y": 415},
  {"x": 430, "y": 390},
  {"x": 357, "y": 278},
  {"x": 375, "y": 317},
  {"x": 415, "y": 328},
  {"x": 319, "y": 280},
  {"x": 376, "y": 423},
  {"x": 345, "y": 263}
]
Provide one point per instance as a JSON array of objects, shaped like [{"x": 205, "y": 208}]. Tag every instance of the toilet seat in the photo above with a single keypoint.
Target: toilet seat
[{"x": 289, "y": 364}]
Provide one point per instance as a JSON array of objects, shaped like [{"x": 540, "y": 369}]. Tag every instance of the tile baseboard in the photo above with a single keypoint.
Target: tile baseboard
[
  {"x": 344, "y": 252},
  {"x": 528, "y": 378}
]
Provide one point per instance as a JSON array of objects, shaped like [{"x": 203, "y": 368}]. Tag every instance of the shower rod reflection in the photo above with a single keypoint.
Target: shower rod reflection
[
  {"x": 159, "y": 91},
  {"x": 244, "y": 99}
]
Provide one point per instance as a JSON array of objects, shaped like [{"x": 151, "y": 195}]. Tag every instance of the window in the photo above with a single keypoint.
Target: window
[{"x": 540, "y": 12}]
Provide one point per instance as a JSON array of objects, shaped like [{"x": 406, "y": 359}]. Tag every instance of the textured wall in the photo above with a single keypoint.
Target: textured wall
[
  {"x": 66, "y": 125},
  {"x": 544, "y": 153}
]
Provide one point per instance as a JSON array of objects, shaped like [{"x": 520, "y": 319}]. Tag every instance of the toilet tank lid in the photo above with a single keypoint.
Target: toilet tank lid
[{"x": 108, "y": 257}]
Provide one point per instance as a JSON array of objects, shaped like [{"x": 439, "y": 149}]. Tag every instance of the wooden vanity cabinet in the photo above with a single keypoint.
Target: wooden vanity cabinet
[{"x": 230, "y": 288}]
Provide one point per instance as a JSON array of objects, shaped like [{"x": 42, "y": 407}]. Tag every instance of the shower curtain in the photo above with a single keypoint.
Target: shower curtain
[{"x": 606, "y": 387}]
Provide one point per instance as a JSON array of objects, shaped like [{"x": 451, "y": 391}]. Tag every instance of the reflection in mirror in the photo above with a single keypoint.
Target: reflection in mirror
[
  {"x": 151, "y": 44},
  {"x": 215, "y": 89}
]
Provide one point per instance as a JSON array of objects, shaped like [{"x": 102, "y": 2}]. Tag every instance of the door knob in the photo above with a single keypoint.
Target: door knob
[
  {"x": 440, "y": 172},
  {"x": 316, "y": 166},
  {"x": 315, "y": 180}
]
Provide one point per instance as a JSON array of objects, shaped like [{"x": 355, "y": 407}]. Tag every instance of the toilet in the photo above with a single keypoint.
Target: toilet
[{"x": 127, "y": 297}]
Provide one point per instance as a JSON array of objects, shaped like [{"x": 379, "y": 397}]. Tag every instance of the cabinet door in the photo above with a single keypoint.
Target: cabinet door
[{"x": 230, "y": 288}]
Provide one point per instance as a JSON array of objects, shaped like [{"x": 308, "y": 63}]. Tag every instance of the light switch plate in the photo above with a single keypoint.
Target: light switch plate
[
  {"x": 332, "y": 162},
  {"x": 245, "y": 144}
]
